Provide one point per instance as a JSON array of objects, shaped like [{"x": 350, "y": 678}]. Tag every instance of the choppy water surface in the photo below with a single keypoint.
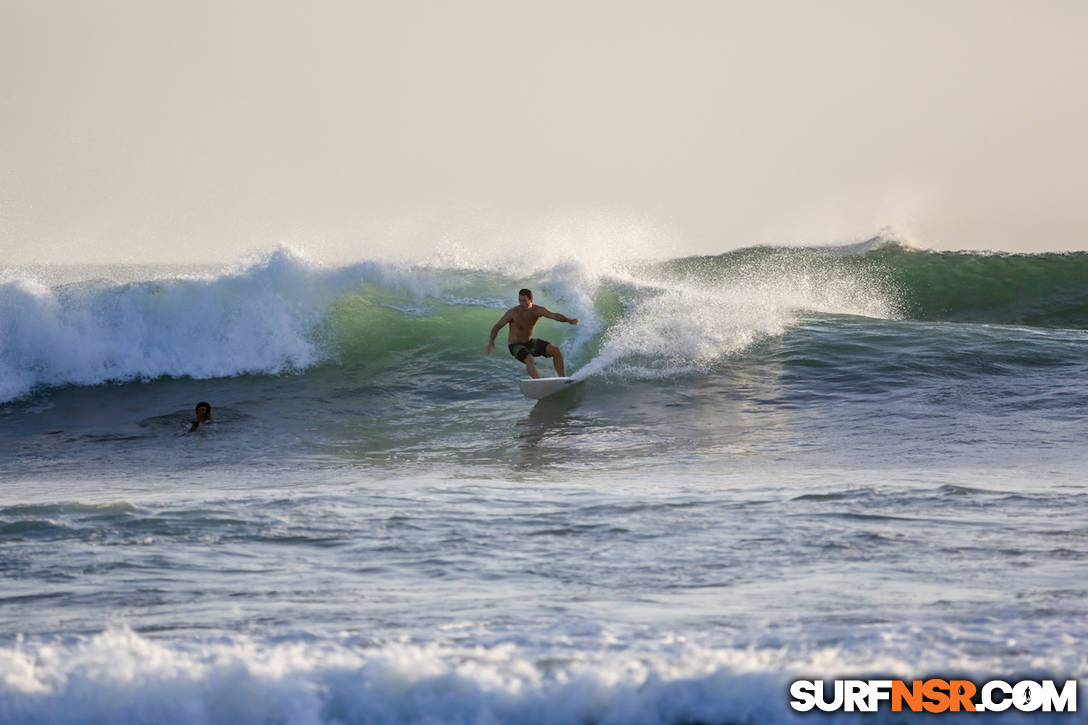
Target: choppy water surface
[{"x": 780, "y": 463}]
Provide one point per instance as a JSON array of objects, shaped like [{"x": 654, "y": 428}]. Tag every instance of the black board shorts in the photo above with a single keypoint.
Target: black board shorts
[{"x": 533, "y": 347}]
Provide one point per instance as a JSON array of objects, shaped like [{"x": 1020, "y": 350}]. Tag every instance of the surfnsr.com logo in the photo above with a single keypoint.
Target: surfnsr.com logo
[{"x": 933, "y": 695}]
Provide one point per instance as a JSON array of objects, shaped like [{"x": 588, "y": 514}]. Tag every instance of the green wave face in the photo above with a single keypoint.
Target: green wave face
[
  {"x": 1040, "y": 290},
  {"x": 1044, "y": 290},
  {"x": 687, "y": 314}
]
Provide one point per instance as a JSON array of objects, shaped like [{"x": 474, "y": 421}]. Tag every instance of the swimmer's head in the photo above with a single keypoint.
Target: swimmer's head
[{"x": 203, "y": 410}]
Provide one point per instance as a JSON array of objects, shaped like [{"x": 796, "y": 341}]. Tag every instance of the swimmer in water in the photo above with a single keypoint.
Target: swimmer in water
[{"x": 203, "y": 415}]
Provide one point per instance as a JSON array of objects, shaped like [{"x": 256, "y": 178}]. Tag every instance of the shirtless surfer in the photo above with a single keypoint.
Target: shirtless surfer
[{"x": 522, "y": 319}]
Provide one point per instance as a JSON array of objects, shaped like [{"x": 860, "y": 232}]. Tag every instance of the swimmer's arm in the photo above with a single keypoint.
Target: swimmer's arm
[
  {"x": 545, "y": 312},
  {"x": 505, "y": 320}
]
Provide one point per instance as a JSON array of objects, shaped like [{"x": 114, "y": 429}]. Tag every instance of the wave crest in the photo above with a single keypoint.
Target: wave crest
[{"x": 280, "y": 313}]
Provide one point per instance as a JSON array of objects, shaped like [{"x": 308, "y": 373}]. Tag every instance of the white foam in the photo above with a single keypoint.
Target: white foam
[
  {"x": 120, "y": 676},
  {"x": 259, "y": 317}
]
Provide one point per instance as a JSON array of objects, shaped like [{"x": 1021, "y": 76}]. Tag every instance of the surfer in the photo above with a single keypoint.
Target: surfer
[
  {"x": 203, "y": 415},
  {"x": 522, "y": 319}
]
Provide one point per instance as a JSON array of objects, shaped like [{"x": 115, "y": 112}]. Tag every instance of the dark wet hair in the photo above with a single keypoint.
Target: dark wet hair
[
  {"x": 527, "y": 292},
  {"x": 202, "y": 404}
]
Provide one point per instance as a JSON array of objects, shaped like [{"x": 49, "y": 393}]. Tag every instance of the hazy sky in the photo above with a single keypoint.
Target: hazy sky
[{"x": 139, "y": 130}]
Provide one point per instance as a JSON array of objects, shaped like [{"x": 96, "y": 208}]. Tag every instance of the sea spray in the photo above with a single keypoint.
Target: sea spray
[{"x": 684, "y": 318}]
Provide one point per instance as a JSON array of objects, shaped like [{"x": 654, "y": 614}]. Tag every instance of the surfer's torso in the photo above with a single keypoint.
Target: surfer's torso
[{"x": 522, "y": 322}]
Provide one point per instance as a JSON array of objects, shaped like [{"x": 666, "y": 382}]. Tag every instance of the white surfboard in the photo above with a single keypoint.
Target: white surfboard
[{"x": 543, "y": 387}]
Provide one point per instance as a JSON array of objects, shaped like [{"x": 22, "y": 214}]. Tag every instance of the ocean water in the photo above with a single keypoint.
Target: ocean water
[{"x": 781, "y": 463}]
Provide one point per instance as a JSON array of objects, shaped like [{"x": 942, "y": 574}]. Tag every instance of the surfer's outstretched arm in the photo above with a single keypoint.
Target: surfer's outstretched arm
[
  {"x": 498, "y": 326},
  {"x": 544, "y": 311}
]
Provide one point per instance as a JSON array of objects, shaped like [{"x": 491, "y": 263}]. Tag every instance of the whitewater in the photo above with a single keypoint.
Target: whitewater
[{"x": 782, "y": 463}]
